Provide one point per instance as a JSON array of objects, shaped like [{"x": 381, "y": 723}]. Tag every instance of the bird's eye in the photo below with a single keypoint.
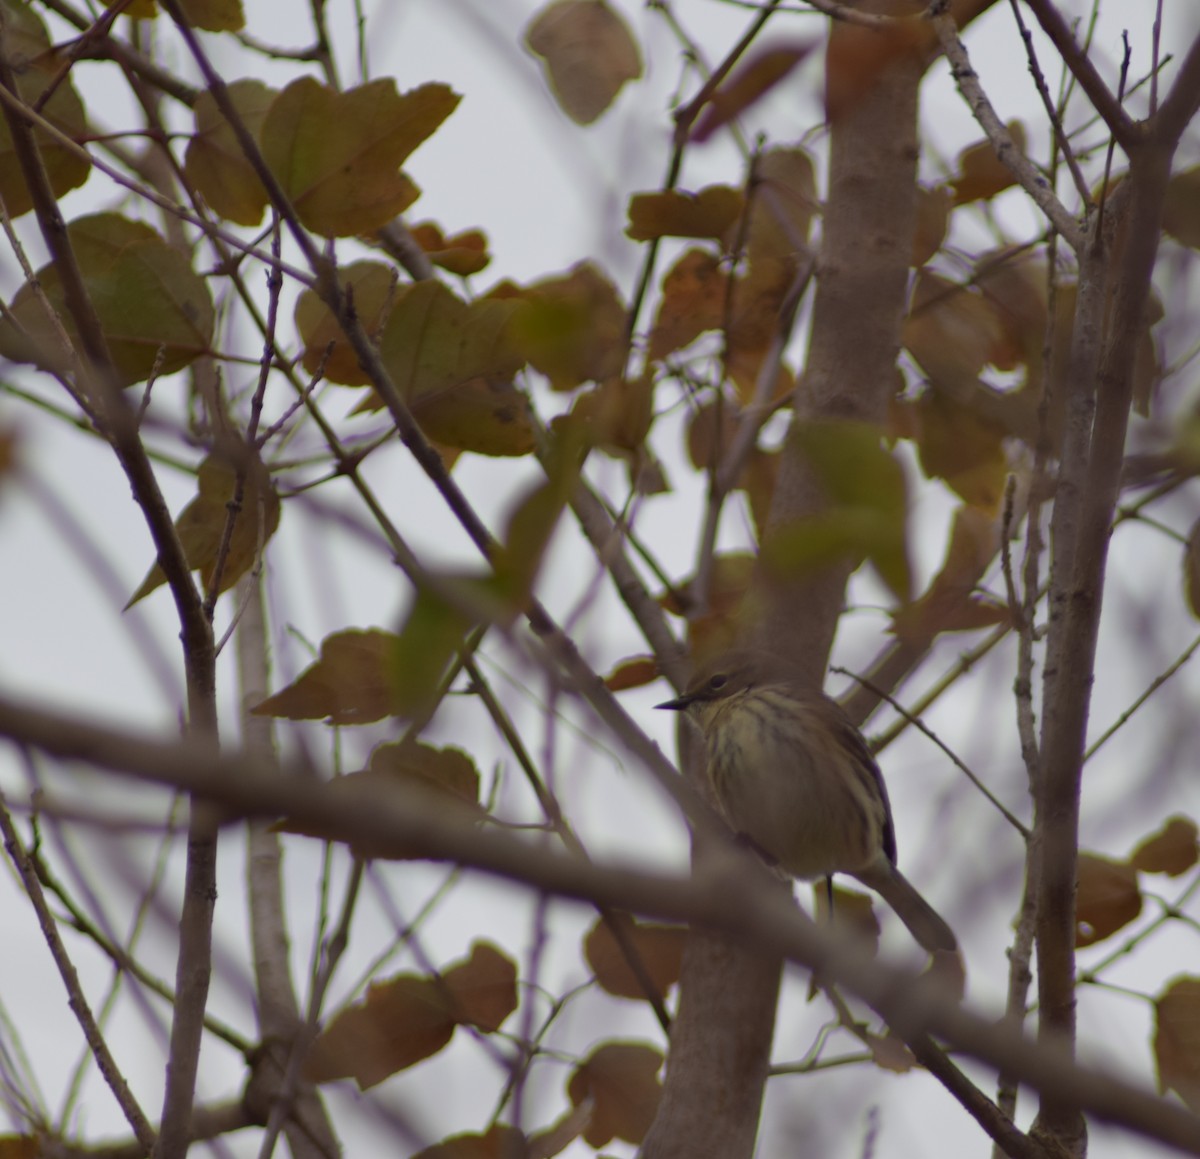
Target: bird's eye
[{"x": 716, "y": 683}]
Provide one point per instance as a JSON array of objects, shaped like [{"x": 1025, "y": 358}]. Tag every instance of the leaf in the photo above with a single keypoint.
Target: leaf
[
  {"x": 453, "y": 362},
  {"x": 145, "y": 292},
  {"x": 348, "y": 684},
  {"x": 410, "y": 1017},
  {"x": 373, "y": 288},
  {"x": 214, "y": 161},
  {"x": 748, "y": 84},
  {"x": 337, "y": 154},
  {"x": 851, "y": 911},
  {"x": 207, "y": 15},
  {"x": 1191, "y": 569},
  {"x": 1172, "y": 850},
  {"x": 781, "y": 213},
  {"x": 981, "y": 173},
  {"x": 499, "y": 1142},
  {"x": 588, "y": 53},
  {"x": 710, "y": 213},
  {"x": 621, "y": 1078},
  {"x": 889, "y": 1053},
  {"x": 1181, "y": 208},
  {"x": 225, "y": 477},
  {"x": 399, "y": 1023},
  {"x": 933, "y": 216},
  {"x": 951, "y": 603},
  {"x": 636, "y": 672},
  {"x": 572, "y": 327},
  {"x": 462, "y": 253},
  {"x": 866, "y": 512},
  {"x": 965, "y": 450},
  {"x": 1177, "y": 1040},
  {"x": 693, "y": 301},
  {"x": 483, "y": 989},
  {"x": 659, "y": 949},
  {"x": 952, "y": 331},
  {"x": 401, "y": 773},
  {"x": 1107, "y": 900},
  {"x": 29, "y": 53},
  {"x": 20, "y": 1147}
]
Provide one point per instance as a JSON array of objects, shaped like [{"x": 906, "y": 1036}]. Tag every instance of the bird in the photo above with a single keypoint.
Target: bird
[{"x": 792, "y": 775}]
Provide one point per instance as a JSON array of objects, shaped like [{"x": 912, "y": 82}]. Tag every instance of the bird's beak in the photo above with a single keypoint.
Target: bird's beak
[{"x": 679, "y": 704}]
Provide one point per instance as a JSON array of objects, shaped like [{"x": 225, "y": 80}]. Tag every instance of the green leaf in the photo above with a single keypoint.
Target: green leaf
[
  {"x": 866, "y": 512},
  {"x": 338, "y": 154},
  {"x": 148, "y": 298},
  {"x": 36, "y": 64},
  {"x": 214, "y": 161}
]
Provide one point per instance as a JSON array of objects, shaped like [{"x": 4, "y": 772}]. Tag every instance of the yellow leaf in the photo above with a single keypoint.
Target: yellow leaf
[
  {"x": 373, "y": 288},
  {"x": 462, "y": 253},
  {"x": 710, "y": 213},
  {"x": 589, "y": 54}
]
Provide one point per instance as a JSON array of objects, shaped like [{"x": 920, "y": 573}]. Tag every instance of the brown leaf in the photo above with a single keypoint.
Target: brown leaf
[
  {"x": 621, "y": 1078},
  {"x": 20, "y": 1147},
  {"x": 589, "y": 54},
  {"x": 399, "y": 1023},
  {"x": 462, "y": 253},
  {"x": 659, "y": 948},
  {"x": 957, "y": 445},
  {"x": 1172, "y": 850},
  {"x": 483, "y": 989},
  {"x": 710, "y": 213},
  {"x": 348, "y": 684},
  {"x": 951, "y": 330},
  {"x": 1177, "y": 1040},
  {"x": 401, "y": 774},
  {"x": 781, "y": 213},
  {"x": 748, "y": 84},
  {"x": 202, "y": 524},
  {"x": 636, "y": 672},
  {"x": 500, "y": 1142},
  {"x": 889, "y": 1053},
  {"x": 693, "y": 301},
  {"x": 981, "y": 173},
  {"x": 1108, "y": 898},
  {"x": 1181, "y": 208},
  {"x": 933, "y": 215}
]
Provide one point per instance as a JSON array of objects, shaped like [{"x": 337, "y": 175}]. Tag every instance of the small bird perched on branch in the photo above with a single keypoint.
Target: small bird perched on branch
[{"x": 792, "y": 773}]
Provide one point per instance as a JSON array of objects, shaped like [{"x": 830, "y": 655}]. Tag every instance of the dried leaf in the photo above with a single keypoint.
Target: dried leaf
[
  {"x": 1108, "y": 898},
  {"x": 952, "y": 331},
  {"x": 933, "y": 216},
  {"x": 621, "y": 1079},
  {"x": 889, "y": 1053},
  {"x": 851, "y": 911},
  {"x": 483, "y": 989},
  {"x": 1172, "y": 850},
  {"x": 202, "y": 524},
  {"x": 1177, "y": 1040},
  {"x": 981, "y": 173},
  {"x": 710, "y": 213},
  {"x": 965, "y": 450},
  {"x": 659, "y": 949},
  {"x": 589, "y": 54},
  {"x": 348, "y": 684},
  {"x": 500, "y": 1142},
  {"x": 1181, "y": 208},
  {"x": 636, "y": 672},
  {"x": 462, "y": 253},
  {"x": 693, "y": 301},
  {"x": 748, "y": 84}
]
